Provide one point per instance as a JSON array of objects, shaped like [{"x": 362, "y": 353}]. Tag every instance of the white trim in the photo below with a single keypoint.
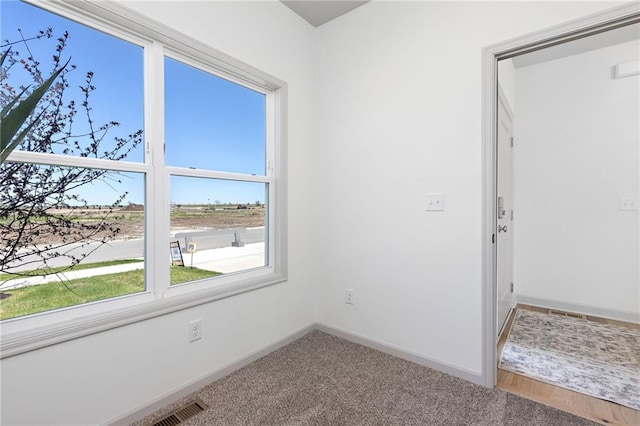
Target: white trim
[
  {"x": 599, "y": 22},
  {"x": 230, "y": 279},
  {"x": 73, "y": 161},
  {"x": 82, "y": 14},
  {"x": 436, "y": 364},
  {"x": 157, "y": 188},
  {"x": 47, "y": 328},
  {"x": 198, "y": 383},
  {"x": 489, "y": 208},
  {"x": 15, "y": 343},
  {"x": 202, "y": 61},
  {"x": 596, "y": 311},
  {"x": 213, "y": 174},
  {"x": 278, "y": 201}
]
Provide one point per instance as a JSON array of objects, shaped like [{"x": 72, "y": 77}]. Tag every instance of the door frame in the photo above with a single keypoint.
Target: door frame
[{"x": 592, "y": 24}]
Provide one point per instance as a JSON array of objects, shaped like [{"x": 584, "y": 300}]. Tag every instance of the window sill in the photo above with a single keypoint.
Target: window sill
[{"x": 15, "y": 342}]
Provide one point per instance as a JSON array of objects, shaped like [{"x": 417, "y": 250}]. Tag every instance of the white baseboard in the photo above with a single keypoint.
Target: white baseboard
[
  {"x": 390, "y": 349},
  {"x": 191, "y": 386},
  {"x": 581, "y": 309},
  {"x": 175, "y": 394}
]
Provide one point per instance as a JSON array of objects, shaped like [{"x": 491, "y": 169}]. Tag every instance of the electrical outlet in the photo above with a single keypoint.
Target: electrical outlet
[
  {"x": 349, "y": 296},
  {"x": 435, "y": 202},
  {"x": 628, "y": 204},
  {"x": 195, "y": 330}
]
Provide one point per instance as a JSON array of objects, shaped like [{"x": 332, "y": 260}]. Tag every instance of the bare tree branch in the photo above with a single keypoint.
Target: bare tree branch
[{"x": 40, "y": 203}]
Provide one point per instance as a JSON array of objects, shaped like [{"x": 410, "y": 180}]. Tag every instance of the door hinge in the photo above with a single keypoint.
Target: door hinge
[
  {"x": 511, "y": 214},
  {"x": 511, "y": 287},
  {"x": 493, "y": 238},
  {"x": 511, "y": 142}
]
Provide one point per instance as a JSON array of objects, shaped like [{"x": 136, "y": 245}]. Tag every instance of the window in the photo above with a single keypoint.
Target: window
[
  {"x": 72, "y": 204},
  {"x": 155, "y": 170},
  {"x": 216, "y": 145}
]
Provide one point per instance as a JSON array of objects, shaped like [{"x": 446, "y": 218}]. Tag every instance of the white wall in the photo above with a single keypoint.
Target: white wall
[
  {"x": 400, "y": 105},
  {"x": 384, "y": 106},
  {"x": 576, "y": 155},
  {"x": 96, "y": 378}
]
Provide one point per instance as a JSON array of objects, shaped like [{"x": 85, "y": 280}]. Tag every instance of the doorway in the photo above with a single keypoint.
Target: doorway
[
  {"x": 493, "y": 211},
  {"x": 554, "y": 186},
  {"x": 576, "y": 155}
]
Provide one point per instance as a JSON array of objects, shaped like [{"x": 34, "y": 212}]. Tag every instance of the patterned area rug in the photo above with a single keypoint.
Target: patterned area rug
[{"x": 597, "y": 359}]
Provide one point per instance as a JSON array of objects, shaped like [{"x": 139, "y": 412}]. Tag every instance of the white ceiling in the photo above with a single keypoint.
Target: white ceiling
[{"x": 319, "y": 12}]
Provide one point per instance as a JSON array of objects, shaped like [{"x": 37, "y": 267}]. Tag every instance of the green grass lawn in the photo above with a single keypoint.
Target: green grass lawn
[
  {"x": 45, "y": 297},
  {"x": 78, "y": 267}
]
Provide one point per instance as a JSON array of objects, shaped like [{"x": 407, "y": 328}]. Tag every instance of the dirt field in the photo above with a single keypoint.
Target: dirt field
[
  {"x": 130, "y": 221},
  {"x": 202, "y": 218}
]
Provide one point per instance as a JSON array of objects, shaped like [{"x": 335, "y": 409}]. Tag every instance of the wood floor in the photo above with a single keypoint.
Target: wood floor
[{"x": 598, "y": 410}]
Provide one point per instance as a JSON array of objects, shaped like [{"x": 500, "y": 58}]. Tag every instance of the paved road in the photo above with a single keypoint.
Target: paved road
[{"x": 131, "y": 249}]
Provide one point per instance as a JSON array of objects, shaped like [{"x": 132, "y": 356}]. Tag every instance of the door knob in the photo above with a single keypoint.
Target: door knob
[{"x": 502, "y": 228}]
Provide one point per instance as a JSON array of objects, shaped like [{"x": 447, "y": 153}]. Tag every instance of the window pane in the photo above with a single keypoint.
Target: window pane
[
  {"x": 219, "y": 226},
  {"x": 95, "y": 107},
  {"x": 212, "y": 123},
  {"x": 68, "y": 236}
]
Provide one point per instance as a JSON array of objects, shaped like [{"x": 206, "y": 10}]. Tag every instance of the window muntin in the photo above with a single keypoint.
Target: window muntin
[{"x": 212, "y": 123}]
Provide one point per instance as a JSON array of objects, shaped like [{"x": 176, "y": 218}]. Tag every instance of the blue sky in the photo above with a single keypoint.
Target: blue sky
[{"x": 210, "y": 123}]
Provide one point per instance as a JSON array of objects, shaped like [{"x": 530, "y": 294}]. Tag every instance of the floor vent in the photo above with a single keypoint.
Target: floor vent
[
  {"x": 181, "y": 414},
  {"x": 567, "y": 314}
]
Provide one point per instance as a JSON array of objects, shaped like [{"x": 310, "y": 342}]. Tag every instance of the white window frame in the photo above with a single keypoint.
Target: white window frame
[{"x": 19, "y": 335}]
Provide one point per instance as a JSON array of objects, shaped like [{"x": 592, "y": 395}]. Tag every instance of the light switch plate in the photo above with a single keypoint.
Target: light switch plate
[{"x": 435, "y": 201}]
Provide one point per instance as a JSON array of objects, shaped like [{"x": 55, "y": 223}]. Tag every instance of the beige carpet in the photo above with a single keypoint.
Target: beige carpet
[{"x": 324, "y": 380}]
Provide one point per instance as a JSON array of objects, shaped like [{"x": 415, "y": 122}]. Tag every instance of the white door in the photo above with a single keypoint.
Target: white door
[{"x": 506, "y": 298}]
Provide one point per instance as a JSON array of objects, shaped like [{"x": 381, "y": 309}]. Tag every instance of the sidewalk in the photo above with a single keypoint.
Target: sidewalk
[
  {"x": 68, "y": 275},
  {"x": 224, "y": 260},
  {"x": 228, "y": 259}
]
